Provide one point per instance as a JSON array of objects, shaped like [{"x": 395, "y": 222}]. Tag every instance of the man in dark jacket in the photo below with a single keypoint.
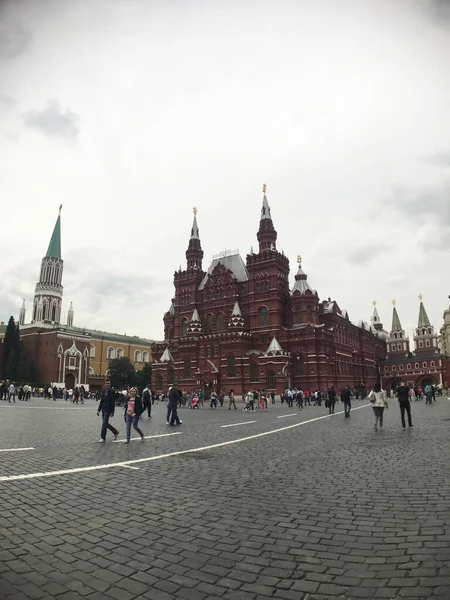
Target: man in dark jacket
[
  {"x": 331, "y": 399},
  {"x": 107, "y": 406},
  {"x": 174, "y": 397},
  {"x": 405, "y": 404},
  {"x": 347, "y": 400}
]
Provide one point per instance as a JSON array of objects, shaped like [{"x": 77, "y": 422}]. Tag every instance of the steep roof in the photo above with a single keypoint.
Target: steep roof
[
  {"x": 274, "y": 347},
  {"x": 167, "y": 356},
  {"x": 232, "y": 261},
  {"x": 396, "y": 325},
  {"x": 236, "y": 310},
  {"x": 265, "y": 210},
  {"x": 54, "y": 248},
  {"x": 424, "y": 321}
]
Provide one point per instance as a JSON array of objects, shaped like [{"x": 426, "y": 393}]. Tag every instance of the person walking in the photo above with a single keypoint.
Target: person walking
[
  {"x": 379, "y": 402},
  {"x": 133, "y": 410},
  {"x": 213, "y": 400},
  {"x": 331, "y": 400},
  {"x": 232, "y": 400},
  {"x": 12, "y": 392},
  {"x": 428, "y": 394},
  {"x": 172, "y": 406},
  {"x": 347, "y": 400},
  {"x": 106, "y": 407},
  {"x": 147, "y": 400},
  {"x": 405, "y": 404}
]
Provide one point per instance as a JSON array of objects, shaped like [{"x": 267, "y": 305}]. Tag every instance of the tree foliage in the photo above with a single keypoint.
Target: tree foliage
[
  {"x": 144, "y": 377},
  {"x": 121, "y": 372},
  {"x": 16, "y": 365}
]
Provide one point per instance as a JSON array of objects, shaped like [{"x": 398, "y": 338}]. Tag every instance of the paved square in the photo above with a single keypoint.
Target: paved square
[{"x": 265, "y": 508}]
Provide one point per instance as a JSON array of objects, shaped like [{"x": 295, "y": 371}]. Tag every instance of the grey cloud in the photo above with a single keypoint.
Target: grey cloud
[
  {"x": 13, "y": 41},
  {"x": 366, "y": 254},
  {"x": 7, "y": 100},
  {"x": 439, "y": 240},
  {"x": 429, "y": 205},
  {"x": 54, "y": 121},
  {"x": 439, "y": 11},
  {"x": 440, "y": 159}
]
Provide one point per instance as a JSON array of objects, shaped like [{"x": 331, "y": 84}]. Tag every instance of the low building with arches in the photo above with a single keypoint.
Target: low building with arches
[{"x": 240, "y": 325}]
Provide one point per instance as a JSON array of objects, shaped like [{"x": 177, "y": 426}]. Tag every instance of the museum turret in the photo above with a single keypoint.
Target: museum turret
[
  {"x": 49, "y": 289},
  {"x": 304, "y": 300},
  {"x": 187, "y": 282},
  {"x": 268, "y": 272}
]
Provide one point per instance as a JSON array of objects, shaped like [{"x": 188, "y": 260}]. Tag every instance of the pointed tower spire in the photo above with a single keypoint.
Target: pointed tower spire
[
  {"x": 301, "y": 284},
  {"x": 194, "y": 253},
  {"x": 237, "y": 320},
  {"x": 424, "y": 321},
  {"x": 54, "y": 247},
  {"x": 396, "y": 325},
  {"x": 49, "y": 289},
  {"x": 22, "y": 314},
  {"x": 267, "y": 236},
  {"x": 70, "y": 316}
]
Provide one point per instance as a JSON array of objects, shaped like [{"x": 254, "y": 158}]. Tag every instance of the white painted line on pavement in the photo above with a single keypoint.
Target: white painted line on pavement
[
  {"x": 284, "y": 416},
  {"x": 236, "y": 424},
  {"x": 48, "y": 407},
  {"x": 148, "y": 437},
  {"x": 6, "y": 478},
  {"x": 129, "y": 467},
  {"x": 15, "y": 449}
]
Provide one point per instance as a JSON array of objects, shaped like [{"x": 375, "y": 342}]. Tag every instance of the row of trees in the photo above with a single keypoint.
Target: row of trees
[
  {"x": 122, "y": 373},
  {"x": 16, "y": 365}
]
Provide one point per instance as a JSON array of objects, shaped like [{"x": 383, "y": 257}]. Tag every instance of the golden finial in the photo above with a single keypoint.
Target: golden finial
[
  {"x": 195, "y": 211},
  {"x": 299, "y": 259},
  {"x": 374, "y": 302},
  {"x": 394, "y": 302},
  {"x": 420, "y": 296},
  {"x": 264, "y": 189}
]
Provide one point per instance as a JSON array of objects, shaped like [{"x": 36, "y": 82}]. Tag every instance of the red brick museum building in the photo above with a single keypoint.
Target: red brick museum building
[{"x": 238, "y": 326}]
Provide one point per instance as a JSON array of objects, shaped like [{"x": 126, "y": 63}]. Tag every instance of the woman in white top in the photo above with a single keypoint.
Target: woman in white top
[{"x": 379, "y": 402}]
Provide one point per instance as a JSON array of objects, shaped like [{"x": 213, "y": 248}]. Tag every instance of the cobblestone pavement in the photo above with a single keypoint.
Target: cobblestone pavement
[{"x": 327, "y": 509}]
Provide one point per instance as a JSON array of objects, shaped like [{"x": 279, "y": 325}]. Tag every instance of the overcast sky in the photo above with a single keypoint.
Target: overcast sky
[{"x": 131, "y": 112}]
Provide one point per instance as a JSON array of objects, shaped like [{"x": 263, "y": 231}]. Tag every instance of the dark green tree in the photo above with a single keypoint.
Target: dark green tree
[
  {"x": 144, "y": 376},
  {"x": 11, "y": 366},
  {"x": 25, "y": 372},
  {"x": 121, "y": 372},
  {"x": 11, "y": 342}
]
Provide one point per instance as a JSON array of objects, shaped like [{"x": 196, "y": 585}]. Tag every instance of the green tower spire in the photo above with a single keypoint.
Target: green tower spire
[{"x": 54, "y": 248}]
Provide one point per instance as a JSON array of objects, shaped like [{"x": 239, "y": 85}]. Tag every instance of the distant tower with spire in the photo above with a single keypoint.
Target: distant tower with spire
[
  {"x": 425, "y": 338},
  {"x": 49, "y": 290},
  {"x": 194, "y": 253},
  {"x": 22, "y": 314},
  {"x": 397, "y": 342},
  {"x": 267, "y": 236},
  {"x": 268, "y": 274},
  {"x": 377, "y": 325}
]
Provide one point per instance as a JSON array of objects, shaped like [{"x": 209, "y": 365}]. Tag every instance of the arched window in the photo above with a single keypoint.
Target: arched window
[
  {"x": 254, "y": 372},
  {"x": 408, "y": 366},
  {"x": 231, "y": 363},
  {"x": 209, "y": 323},
  {"x": 170, "y": 376},
  {"x": 53, "y": 311},
  {"x": 399, "y": 346},
  {"x": 271, "y": 381},
  {"x": 137, "y": 356},
  {"x": 416, "y": 366},
  {"x": 220, "y": 323},
  {"x": 45, "y": 310},
  {"x": 432, "y": 364},
  {"x": 159, "y": 382},
  {"x": 394, "y": 368},
  {"x": 298, "y": 316},
  {"x": 145, "y": 357},
  {"x": 187, "y": 368},
  {"x": 119, "y": 353},
  {"x": 92, "y": 351},
  {"x": 263, "y": 317},
  {"x": 111, "y": 353},
  {"x": 91, "y": 371},
  {"x": 258, "y": 286},
  {"x": 427, "y": 343},
  {"x": 401, "y": 368},
  {"x": 184, "y": 327},
  {"x": 424, "y": 365},
  {"x": 420, "y": 343}
]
